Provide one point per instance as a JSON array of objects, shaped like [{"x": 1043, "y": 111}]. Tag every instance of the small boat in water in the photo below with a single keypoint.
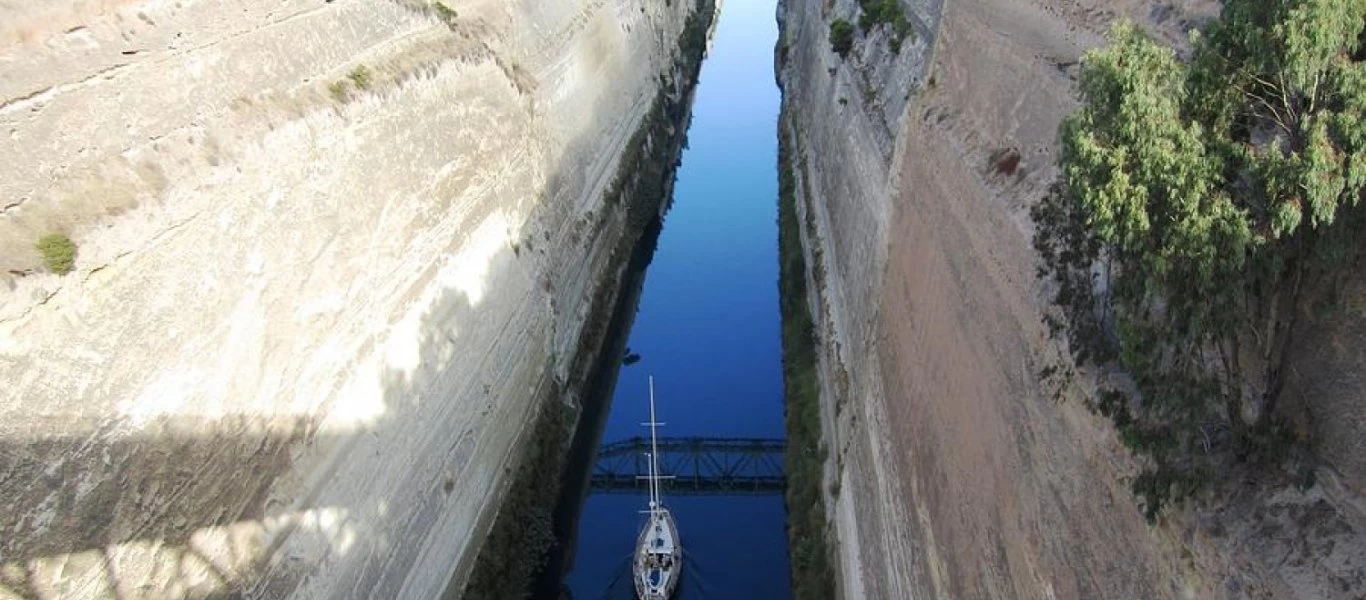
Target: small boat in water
[{"x": 658, "y": 562}]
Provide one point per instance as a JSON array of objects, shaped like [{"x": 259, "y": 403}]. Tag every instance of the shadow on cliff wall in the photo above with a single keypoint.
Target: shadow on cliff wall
[
  {"x": 182, "y": 506},
  {"x": 1325, "y": 382}
]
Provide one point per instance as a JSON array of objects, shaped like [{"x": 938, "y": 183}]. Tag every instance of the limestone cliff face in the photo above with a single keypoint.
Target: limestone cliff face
[
  {"x": 841, "y": 117},
  {"x": 331, "y": 253},
  {"x": 952, "y": 472}
]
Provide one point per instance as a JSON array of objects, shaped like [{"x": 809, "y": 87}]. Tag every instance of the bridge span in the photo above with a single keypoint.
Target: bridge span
[{"x": 697, "y": 465}]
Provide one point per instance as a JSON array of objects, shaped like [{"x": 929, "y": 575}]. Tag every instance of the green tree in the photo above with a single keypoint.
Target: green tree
[
  {"x": 58, "y": 252},
  {"x": 878, "y": 12},
  {"x": 1282, "y": 87},
  {"x": 1195, "y": 201},
  {"x": 841, "y": 37}
]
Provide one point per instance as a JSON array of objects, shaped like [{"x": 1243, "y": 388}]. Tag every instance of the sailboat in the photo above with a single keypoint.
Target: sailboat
[{"x": 658, "y": 562}]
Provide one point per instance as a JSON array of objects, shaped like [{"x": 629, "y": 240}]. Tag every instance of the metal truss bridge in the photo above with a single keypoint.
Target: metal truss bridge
[{"x": 696, "y": 465}]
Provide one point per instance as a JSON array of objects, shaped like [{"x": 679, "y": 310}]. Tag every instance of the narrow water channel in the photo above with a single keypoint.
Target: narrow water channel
[{"x": 708, "y": 330}]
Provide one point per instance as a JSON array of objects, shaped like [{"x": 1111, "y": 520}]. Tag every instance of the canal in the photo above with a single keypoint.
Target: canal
[{"x": 707, "y": 328}]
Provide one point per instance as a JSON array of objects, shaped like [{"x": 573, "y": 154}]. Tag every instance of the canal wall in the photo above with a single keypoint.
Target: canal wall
[
  {"x": 335, "y": 261},
  {"x": 840, "y": 130},
  {"x": 519, "y": 554},
  {"x": 951, "y": 470}
]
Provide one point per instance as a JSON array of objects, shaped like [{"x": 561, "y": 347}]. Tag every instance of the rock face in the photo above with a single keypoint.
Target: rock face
[
  {"x": 842, "y": 120},
  {"x": 952, "y": 473},
  {"x": 330, "y": 255}
]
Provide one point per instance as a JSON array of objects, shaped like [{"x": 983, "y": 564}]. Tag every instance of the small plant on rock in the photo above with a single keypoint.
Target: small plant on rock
[
  {"x": 446, "y": 13},
  {"x": 360, "y": 76},
  {"x": 58, "y": 251},
  {"x": 339, "y": 90},
  {"x": 841, "y": 37}
]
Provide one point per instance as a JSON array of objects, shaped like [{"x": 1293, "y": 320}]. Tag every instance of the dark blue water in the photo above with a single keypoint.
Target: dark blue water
[{"x": 708, "y": 330}]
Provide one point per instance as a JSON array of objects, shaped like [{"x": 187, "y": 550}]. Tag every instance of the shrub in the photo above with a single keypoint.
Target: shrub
[
  {"x": 841, "y": 37},
  {"x": 878, "y": 12},
  {"x": 446, "y": 13},
  {"x": 59, "y": 253},
  {"x": 361, "y": 77},
  {"x": 338, "y": 89}
]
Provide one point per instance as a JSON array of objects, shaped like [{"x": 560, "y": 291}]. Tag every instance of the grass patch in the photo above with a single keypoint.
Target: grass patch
[
  {"x": 812, "y": 575},
  {"x": 58, "y": 252}
]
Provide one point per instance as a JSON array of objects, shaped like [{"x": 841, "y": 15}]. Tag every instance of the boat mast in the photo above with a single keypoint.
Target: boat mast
[{"x": 654, "y": 455}]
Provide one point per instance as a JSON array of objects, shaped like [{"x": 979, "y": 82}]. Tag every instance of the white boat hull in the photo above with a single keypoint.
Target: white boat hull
[{"x": 658, "y": 563}]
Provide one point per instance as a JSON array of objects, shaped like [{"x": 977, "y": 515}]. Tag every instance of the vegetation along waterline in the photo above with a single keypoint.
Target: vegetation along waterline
[{"x": 804, "y": 462}]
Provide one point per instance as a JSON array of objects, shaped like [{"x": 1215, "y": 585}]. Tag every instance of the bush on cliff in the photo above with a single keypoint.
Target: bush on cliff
[
  {"x": 445, "y": 13},
  {"x": 886, "y": 12},
  {"x": 58, "y": 252},
  {"x": 841, "y": 37},
  {"x": 361, "y": 77},
  {"x": 1198, "y": 200}
]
